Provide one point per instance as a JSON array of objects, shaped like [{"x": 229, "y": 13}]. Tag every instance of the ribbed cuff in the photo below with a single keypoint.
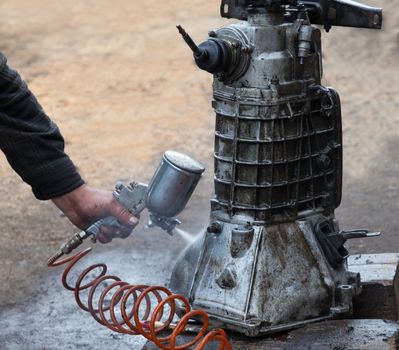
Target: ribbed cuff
[
  {"x": 3, "y": 61},
  {"x": 57, "y": 181}
]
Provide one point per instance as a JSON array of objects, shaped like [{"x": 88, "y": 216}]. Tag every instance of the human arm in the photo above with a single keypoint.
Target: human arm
[
  {"x": 31, "y": 142},
  {"x": 34, "y": 148}
]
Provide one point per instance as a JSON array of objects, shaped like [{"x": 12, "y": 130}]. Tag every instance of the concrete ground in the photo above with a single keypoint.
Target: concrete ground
[
  {"x": 121, "y": 85},
  {"x": 47, "y": 318}
]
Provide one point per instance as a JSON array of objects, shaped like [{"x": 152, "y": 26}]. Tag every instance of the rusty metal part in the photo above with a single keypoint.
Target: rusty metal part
[
  {"x": 380, "y": 285},
  {"x": 264, "y": 280},
  {"x": 276, "y": 259},
  {"x": 346, "y": 13},
  {"x": 138, "y": 309}
]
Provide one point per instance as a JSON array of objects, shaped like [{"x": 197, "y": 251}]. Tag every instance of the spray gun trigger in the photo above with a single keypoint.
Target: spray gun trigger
[{"x": 166, "y": 224}]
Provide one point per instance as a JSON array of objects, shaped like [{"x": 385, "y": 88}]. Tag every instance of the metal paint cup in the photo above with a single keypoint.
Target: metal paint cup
[{"x": 173, "y": 184}]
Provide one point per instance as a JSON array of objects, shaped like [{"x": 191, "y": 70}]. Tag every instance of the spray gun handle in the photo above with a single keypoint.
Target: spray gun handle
[
  {"x": 79, "y": 237},
  {"x": 131, "y": 197},
  {"x": 94, "y": 229}
]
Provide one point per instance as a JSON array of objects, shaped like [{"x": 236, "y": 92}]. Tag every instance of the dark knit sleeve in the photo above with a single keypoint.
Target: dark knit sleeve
[{"x": 31, "y": 142}]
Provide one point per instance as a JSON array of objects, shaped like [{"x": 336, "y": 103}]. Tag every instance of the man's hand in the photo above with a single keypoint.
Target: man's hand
[{"x": 86, "y": 205}]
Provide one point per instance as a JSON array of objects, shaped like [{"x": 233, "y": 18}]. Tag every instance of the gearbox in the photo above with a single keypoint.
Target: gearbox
[{"x": 273, "y": 257}]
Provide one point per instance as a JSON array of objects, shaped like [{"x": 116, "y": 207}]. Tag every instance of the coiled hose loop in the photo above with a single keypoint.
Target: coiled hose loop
[{"x": 143, "y": 310}]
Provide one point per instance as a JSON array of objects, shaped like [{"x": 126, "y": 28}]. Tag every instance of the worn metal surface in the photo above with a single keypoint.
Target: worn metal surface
[
  {"x": 325, "y": 12},
  {"x": 259, "y": 280},
  {"x": 331, "y": 335},
  {"x": 379, "y": 279},
  {"x": 272, "y": 129},
  {"x": 375, "y": 267},
  {"x": 272, "y": 258}
]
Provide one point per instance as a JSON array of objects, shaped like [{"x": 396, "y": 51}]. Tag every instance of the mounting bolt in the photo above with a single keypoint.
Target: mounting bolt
[
  {"x": 212, "y": 34},
  {"x": 228, "y": 278},
  {"x": 215, "y": 228},
  {"x": 274, "y": 80},
  {"x": 235, "y": 45},
  {"x": 323, "y": 161},
  {"x": 325, "y": 200}
]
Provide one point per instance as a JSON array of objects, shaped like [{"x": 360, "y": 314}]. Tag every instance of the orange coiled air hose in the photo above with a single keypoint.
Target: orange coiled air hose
[{"x": 143, "y": 310}]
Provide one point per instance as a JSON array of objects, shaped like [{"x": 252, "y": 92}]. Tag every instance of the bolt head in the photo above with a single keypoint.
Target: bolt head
[
  {"x": 324, "y": 161},
  {"x": 215, "y": 228}
]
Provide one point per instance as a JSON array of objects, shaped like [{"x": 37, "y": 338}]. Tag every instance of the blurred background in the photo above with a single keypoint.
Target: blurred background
[{"x": 122, "y": 86}]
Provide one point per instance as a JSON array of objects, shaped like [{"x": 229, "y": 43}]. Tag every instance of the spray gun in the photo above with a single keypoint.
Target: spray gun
[{"x": 165, "y": 197}]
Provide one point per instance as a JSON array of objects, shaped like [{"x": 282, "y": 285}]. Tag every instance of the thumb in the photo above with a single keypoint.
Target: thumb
[{"x": 123, "y": 215}]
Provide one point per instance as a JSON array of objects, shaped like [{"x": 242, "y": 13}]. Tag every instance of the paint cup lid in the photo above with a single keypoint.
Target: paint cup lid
[{"x": 184, "y": 162}]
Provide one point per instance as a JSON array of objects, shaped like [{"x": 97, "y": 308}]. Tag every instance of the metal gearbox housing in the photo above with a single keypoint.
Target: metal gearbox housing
[{"x": 272, "y": 257}]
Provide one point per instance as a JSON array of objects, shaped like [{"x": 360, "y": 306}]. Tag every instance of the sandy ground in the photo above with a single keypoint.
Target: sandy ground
[{"x": 122, "y": 86}]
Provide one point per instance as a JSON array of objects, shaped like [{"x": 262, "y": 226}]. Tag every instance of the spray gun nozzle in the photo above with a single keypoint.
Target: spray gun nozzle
[{"x": 166, "y": 224}]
